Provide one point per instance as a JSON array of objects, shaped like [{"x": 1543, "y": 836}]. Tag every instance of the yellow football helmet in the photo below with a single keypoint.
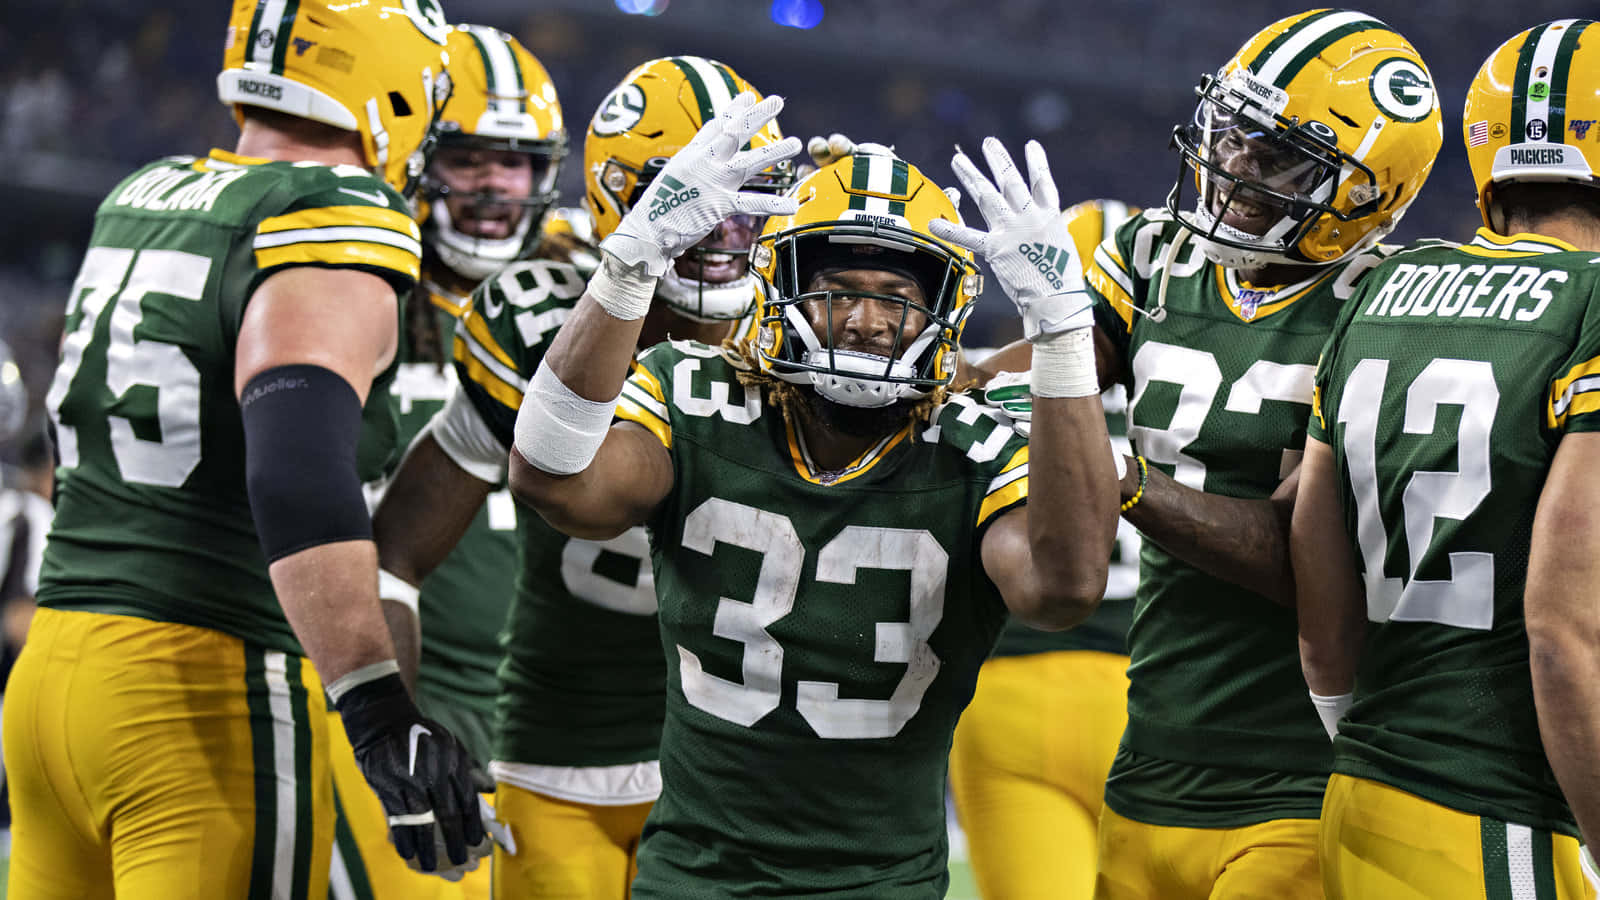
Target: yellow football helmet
[
  {"x": 867, "y": 210},
  {"x": 651, "y": 115},
  {"x": 1531, "y": 112},
  {"x": 374, "y": 68},
  {"x": 503, "y": 99},
  {"x": 1309, "y": 144}
]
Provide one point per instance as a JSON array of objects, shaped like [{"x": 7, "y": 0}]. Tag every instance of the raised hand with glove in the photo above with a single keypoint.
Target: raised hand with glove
[{"x": 423, "y": 775}]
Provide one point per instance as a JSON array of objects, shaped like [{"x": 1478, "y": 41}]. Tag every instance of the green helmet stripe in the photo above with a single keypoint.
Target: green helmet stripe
[
  {"x": 699, "y": 87},
  {"x": 269, "y": 35},
  {"x": 503, "y": 75},
  {"x": 1308, "y": 40},
  {"x": 899, "y": 178},
  {"x": 1559, "y": 75},
  {"x": 1272, "y": 46},
  {"x": 860, "y": 177},
  {"x": 727, "y": 78},
  {"x": 280, "y": 47},
  {"x": 1533, "y": 116}
]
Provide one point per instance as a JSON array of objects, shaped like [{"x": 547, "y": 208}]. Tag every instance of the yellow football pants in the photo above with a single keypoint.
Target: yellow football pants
[
  {"x": 1028, "y": 770},
  {"x": 565, "y": 850},
  {"x": 153, "y": 761},
  {"x": 1379, "y": 841},
  {"x": 365, "y": 864},
  {"x": 1274, "y": 860}
]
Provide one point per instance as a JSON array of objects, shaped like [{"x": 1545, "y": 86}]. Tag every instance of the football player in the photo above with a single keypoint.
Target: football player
[
  {"x": 581, "y": 685},
  {"x": 223, "y": 387},
  {"x": 1304, "y": 149},
  {"x": 1029, "y": 760},
  {"x": 1443, "y": 538},
  {"x": 484, "y": 200},
  {"x": 836, "y": 541}
]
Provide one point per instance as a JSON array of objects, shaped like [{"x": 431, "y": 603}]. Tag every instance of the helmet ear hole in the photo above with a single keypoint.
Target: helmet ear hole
[{"x": 398, "y": 103}]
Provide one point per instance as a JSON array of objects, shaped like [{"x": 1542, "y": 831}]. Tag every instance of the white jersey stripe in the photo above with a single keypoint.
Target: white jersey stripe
[
  {"x": 1519, "y": 861},
  {"x": 275, "y": 665},
  {"x": 335, "y": 233}
]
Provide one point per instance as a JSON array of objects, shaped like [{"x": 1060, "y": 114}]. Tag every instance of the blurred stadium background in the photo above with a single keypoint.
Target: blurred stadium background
[{"x": 91, "y": 88}]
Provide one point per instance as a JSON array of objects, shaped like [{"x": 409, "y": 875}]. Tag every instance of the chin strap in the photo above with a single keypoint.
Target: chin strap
[
  {"x": 475, "y": 258},
  {"x": 706, "y": 302}
]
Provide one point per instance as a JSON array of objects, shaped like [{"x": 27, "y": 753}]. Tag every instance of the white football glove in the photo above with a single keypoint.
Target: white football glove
[
  {"x": 700, "y": 187},
  {"x": 1011, "y": 394},
  {"x": 1027, "y": 245}
]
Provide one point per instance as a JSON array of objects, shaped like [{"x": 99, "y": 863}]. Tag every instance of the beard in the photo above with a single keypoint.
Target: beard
[{"x": 856, "y": 421}]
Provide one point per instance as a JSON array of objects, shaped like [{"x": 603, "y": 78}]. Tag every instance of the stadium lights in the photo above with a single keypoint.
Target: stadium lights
[
  {"x": 797, "y": 13},
  {"x": 643, "y": 7}
]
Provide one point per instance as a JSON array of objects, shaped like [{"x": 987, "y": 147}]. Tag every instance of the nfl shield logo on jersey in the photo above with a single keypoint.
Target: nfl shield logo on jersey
[{"x": 1249, "y": 301}]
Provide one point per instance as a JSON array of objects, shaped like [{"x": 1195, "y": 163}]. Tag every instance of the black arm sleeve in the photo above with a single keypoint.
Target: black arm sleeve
[{"x": 301, "y": 427}]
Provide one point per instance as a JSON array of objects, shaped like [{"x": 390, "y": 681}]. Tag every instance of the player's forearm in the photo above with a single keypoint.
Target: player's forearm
[
  {"x": 426, "y": 509},
  {"x": 593, "y": 350},
  {"x": 329, "y": 594},
  {"x": 1072, "y": 507},
  {"x": 1565, "y": 668},
  {"x": 1242, "y": 541}
]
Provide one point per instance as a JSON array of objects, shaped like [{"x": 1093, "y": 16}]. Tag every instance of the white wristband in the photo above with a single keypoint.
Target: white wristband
[
  {"x": 393, "y": 587},
  {"x": 357, "y": 677},
  {"x": 1063, "y": 365},
  {"x": 622, "y": 291},
  {"x": 1330, "y": 710},
  {"x": 557, "y": 430}
]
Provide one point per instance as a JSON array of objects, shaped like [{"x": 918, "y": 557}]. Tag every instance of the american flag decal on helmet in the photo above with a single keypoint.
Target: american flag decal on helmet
[{"x": 1478, "y": 134}]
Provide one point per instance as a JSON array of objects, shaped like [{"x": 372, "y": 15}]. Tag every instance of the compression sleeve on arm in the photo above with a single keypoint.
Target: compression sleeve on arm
[{"x": 302, "y": 424}]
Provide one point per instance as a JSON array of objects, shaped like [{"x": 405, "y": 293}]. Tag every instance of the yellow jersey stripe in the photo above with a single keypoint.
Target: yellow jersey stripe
[
  {"x": 1014, "y": 490},
  {"x": 1107, "y": 285},
  {"x": 629, "y": 411},
  {"x": 647, "y": 382},
  {"x": 481, "y": 337},
  {"x": 1580, "y": 380},
  {"x": 639, "y": 396},
  {"x": 503, "y": 393},
  {"x": 341, "y": 217},
  {"x": 1020, "y": 458},
  {"x": 341, "y": 253},
  {"x": 339, "y": 235}
]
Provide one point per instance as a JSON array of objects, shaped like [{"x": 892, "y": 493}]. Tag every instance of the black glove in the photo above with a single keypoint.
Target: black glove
[{"x": 423, "y": 775}]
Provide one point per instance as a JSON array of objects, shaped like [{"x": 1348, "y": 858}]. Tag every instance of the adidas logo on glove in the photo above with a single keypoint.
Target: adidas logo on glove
[
  {"x": 671, "y": 195},
  {"x": 1050, "y": 261}
]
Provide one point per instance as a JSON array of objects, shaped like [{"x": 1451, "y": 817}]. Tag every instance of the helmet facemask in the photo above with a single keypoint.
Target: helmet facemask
[
  {"x": 476, "y": 256},
  {"x": 916, "y": 363},
  {"x": 1263, "y": 181}
]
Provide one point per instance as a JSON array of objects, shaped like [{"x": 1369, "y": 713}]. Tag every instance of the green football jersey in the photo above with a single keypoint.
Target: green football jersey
[
  {"x": 463, "y": 602},
  {"x": 152, "y": 515},
  {"x": 1107, "y": 630},
  {"x": 1219, "y": 394},
  {"x": 581, "y": 675},
  {"x": 1444, "y": 394},
  {"x": 822, "y": 631}
]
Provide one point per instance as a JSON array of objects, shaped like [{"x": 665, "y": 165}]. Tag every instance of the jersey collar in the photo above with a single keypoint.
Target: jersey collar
[
  {"x": 219, "y": 159},
  {"x": 1249, "y": 303},
  {"x": 1488, "y": 243},
  {"x": 807, "y": 469}
]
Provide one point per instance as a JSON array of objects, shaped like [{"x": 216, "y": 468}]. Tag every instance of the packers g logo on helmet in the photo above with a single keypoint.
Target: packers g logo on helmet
[
  {"x": 651, "y": 115},
  {"x": 374, "y": 69},
  {"x": 1309, "y": 145},
  {"x": 1530, "y": 109},
  {"x": 620, "y": 111},
  {"x": 868, "y": 210}
]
